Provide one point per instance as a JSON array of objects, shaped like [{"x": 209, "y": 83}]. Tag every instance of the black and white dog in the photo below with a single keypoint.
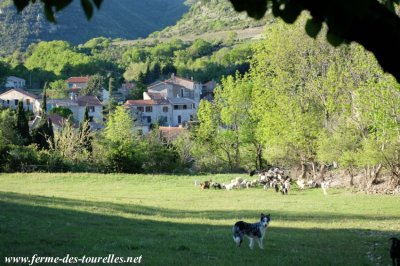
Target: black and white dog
[{"x": 252, "y": 231}]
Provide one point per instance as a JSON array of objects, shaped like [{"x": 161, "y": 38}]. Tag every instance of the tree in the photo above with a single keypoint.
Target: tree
[
  {"x": 62, "y": 111},
  {"x": 43, "y": 104},
  {"x": 57, "y": 89},
  {"x": 85, "y": 133},
  {"x": 4, "y": 71},
  {"x": 22, "y": 124},
  {"x": 123, "y": 150},
  {"x": 43, "y": 134},
  {"x": 347, "y": 20},
  {"x": 94, "y": 86},
  {"x": 8, "y": 132}
]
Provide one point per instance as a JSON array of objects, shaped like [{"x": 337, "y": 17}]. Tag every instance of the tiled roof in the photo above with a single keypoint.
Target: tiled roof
[
  {"x": 209, "y": 86},
  {"x": 180, "y": 101},
  {"x": 140, "y": 102},
  {"x": 158, "y": 97},
  {"x": 59, "y": 120},
  {"x": 187, "y": 83},
  {"x": 22, "y": 92},
  {"x": 171, "y": 133},
  {"x": 88, "y": 100},
  {"x": 15, "y": 78},
  {"x": 78, "y": 79},
  {"x": 61, "y": 102}
]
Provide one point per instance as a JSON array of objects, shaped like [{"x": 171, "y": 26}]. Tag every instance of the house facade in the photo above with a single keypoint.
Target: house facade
[
  {"x": 172, "y": 102},
  {"x": 78, "y": 106},
  {"x": 12, "y": 97},
  {"x": 77, "y": 82},
  {"x": 15, "y": 82}
]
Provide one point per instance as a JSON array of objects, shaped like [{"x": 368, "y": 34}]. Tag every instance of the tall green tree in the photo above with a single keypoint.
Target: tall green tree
[
  {"x": 43, "y": 134},
  {"x": 22, "y": 124},
  {"x": 94, "y": 87},
  {"x": 43, "y": 104},
  {"x": 85, "y": 132},
  {"x": 123, "y": 150}
]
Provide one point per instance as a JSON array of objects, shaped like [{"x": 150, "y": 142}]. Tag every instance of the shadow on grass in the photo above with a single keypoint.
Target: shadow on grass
[
  {"x": 42, "y": 225},
  {"x": 134, "y": 209}
]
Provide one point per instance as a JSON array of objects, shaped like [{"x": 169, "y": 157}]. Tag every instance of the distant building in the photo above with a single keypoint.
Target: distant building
[
  {"x": 11, "y": 98},
  {"x": 77, "y": 83},
  {"x": 126, "y": 88},
  {"x": 172, "y": 102},
  {"x": 207, "y": 92},
  {"x": 15, "y": 82},
  {"x": 78, "y": 106},
  {"x": 171, "y": 133}
]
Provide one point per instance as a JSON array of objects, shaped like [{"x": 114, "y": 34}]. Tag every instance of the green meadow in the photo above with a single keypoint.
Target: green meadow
[{"x": 168, "y": 221}]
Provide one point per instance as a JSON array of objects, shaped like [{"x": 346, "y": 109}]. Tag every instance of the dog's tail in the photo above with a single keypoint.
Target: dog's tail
[{"x": 237, "y": 235}]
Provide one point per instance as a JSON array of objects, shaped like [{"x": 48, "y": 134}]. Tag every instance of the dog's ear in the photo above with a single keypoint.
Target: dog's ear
[{"x": 262, "y": 215}]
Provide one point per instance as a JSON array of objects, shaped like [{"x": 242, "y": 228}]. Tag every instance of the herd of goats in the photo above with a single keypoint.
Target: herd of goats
[{"x": 274, "y": 178}]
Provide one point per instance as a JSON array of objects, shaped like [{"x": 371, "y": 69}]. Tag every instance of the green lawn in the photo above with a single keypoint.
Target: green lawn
[{"x": 170, "y": 222}]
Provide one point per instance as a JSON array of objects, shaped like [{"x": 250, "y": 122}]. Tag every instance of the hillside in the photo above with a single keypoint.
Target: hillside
[
  {"x": 128, "y": 19},
  {"x": 209, "y": 16}
]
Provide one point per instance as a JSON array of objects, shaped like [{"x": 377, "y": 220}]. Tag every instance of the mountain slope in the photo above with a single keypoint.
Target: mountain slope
[
  {"x": 128, "y": 19},
  {"x": 208, "y": 16}
]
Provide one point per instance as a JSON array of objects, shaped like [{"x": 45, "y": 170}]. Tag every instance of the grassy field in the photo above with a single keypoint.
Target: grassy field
[{"x": 170, "y": 222}]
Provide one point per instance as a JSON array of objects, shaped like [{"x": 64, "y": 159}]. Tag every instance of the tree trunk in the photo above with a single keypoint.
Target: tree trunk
[
  {"x": 322, "y": 172},
  {"x": 259, "y": 164},
  {"x": 303, "y": 170},
  {"x": 375, "y": 175},
  {"x": 350, "y": 171}
]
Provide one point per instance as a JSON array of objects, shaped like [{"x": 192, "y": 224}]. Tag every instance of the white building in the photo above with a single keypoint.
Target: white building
[
  {"x": 15, "y": 82},
  {"x": 77, "y": 82},
  {"x": 78, "y": 106},
  {"x": 12, "y": 97},
  {"x": 170, "y": 103}
]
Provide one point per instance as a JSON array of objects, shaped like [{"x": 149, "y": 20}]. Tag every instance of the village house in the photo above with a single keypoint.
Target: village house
[
  {"x": 77, "y": 105},
  {"x": 207, "y": 92},
  {"x": 77, "y": 82},
  {"x": 15, "y": 82},
  {"x": 12, "y": 97},
  {"x": 126, "y": 88},
  {"x": 172, "y": 102},
  {"x": 58, "y": 122}
]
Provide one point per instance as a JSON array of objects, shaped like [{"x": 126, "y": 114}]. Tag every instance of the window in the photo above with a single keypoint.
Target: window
[
  {"x": 149, "y": 109},
  {"x": 16, "y": 102},
  {"x": 165, "y": 109},
  {"x": 182, "y": 93},
  {"x": 176, "y": 107},
  {"x": 163, "y": 120},
  {"x": 90, "y": 118},
  {"x": 91, "y": 109},
  {"x": 193, "y": 106},
  {"x": 184, "y": 106},
  {"x": 28, "y": 102},
  {"x": 140, "y": 108},
  {"x": 147, "y": 118},
  {"x": 179, "y": 119}
]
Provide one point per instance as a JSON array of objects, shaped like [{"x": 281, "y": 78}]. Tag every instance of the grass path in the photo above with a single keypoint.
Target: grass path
[{"x": 168, "y": 221}]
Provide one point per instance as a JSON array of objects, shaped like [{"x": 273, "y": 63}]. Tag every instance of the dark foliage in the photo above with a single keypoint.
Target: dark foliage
[
  {"x": 43, "y": 134},
  {"x": 22, "y": 124}
]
